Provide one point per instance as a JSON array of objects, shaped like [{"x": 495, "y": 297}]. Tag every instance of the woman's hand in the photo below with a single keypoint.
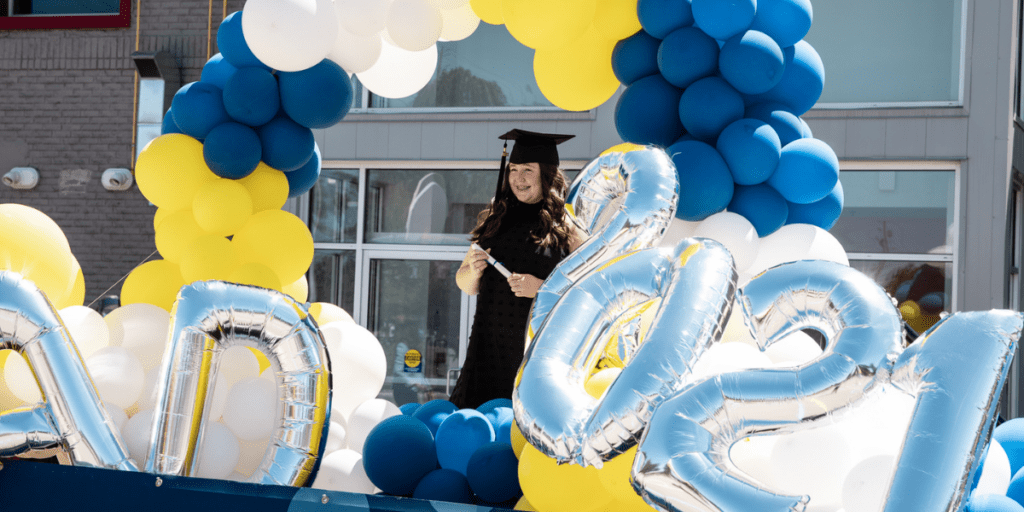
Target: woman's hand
[
  {"x": 524, "y": 285},
  {"x": 471, "y": 270}
]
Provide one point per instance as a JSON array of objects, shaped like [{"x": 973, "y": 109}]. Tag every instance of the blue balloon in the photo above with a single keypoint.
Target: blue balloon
[
  {"x": 407, "y": 409},
  {"x": 708, "y": 106},
  {"x": 1011, "y": 437},
  {"x": 198, "y": 107},
  {"x": 317, "y": 97},
  {"x": 490, "y": 405},
  {"x": 459, "y": 435},
  {"x": 723, "y": 19},
  {"x": 786, "y": 125},
  {"x": 1015, "y": 491},
  {"x": 752, "y": 62},
  {"x": 231, "y": 43},
  {"x": 168, "y": 125},
  {"x": 808, "y": 171},
  {"x": 398, "y": 453},
  {"x": 434, "y": 412},
  {"x": 647, "y": 112},
  {"x": 993, "y": 503},
  {"x": 659, "y": 17},
  {"x": 762, "y": 206},
  {"x": 687, "y": 55},
  {"x": 217, "y": 71},
  {"x": 785, "y": 21},
  {"x": 705, "y": 184},
  {"x": 286, "y": 144},
  {"x": 751, "y": 149},
  {"x": 232, "y": 150},
  {"x": 251, "y": 96},
  {"x": 802, "y": 81},
  {"x": 501, "y": 419},
  {"x": 493, "y": 473},
  {"x": 805, "y": 131},
  {"x": 444, "y": 485},
  {"x": 822, "y": 213},
  {"x": 635, "y": 57},
  {"x": 303, "y": 178},
  {"x": 902, "y": 291},
  {"x": 932, "y": 303}
]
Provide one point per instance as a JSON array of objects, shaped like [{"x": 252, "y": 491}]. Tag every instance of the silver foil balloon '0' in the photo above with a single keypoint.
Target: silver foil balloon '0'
[
  {"x": 625, "y": 201},
  {"x": 554, "y": 412},
  {"x": 210, "y": 317},
  {"x": 71, "y": 418}
]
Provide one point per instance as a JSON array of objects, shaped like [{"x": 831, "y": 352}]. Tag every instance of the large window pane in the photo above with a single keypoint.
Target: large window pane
[
  {"x": 414, "y": 312},
  {"x": 65, "y": 7},
  {"x": 334, "y": 203},
  {"x": 332, "y": 277},
  {"x": 922, "y": 289},
  {"x": 897, "y": 212},
  {"x": 888, "y": 51},
  {"x": 487, "y": 69}
]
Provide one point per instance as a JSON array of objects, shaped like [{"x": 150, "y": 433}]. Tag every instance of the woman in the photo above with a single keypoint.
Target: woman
[{"x": 526, "y": 229}]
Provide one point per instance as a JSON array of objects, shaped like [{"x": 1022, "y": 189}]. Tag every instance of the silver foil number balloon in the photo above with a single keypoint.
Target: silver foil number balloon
[
  {"x": 71, "y": 418},
  {"x": 625, "y": 201},
  {"x": 695, "y": 284},
  {"x": 210, "y": 317}
]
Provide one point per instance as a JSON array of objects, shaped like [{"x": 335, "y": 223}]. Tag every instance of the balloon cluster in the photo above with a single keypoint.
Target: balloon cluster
[
  {"x": 573, "y": 40},
  {"x": 999, "y": 483},
  {"x": 722, "y": 86},
  {"x": 436, "y": 451}
]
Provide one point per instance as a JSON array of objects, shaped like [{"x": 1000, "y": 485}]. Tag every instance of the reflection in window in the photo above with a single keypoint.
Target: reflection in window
[
  {"x": 908, "y": 212},
  {"x": 487, "y": 69},
  {"x": 53, "y": 7},
  {"x": 334, "y": 203},
  {"x": 332, "y": 278},
  {"x": 921, "y": 289}
]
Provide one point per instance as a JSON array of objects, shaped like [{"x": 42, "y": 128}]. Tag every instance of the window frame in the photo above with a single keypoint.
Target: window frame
[{"x": 123, "y": 19}]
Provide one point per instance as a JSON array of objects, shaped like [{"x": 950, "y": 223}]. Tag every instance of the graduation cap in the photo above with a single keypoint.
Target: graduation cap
[{"x": 529, "y": 147}]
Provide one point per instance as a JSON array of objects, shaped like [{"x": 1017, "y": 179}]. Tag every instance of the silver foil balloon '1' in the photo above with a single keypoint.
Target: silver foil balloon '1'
[
  {"x": 71, "y": 418},
  {"x": 695, "y": 283},
  {"x": 625, "y": 201},
  {"x": 210, "y": 317}
]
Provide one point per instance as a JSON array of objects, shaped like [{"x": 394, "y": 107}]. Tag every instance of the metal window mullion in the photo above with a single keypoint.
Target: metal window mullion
[{"x": 359, "y": 287}]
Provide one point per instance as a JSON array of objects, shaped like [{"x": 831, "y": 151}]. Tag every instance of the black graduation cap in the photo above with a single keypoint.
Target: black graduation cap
[{"x": 529, "y": 147}]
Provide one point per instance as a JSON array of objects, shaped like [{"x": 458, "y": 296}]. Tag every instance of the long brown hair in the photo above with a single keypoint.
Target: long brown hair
[{"x": 553, "y": 232}]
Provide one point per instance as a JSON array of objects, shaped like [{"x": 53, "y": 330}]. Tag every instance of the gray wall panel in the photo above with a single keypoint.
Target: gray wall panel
[
  {"x": 905, "y": 138},
  {"x": 865, "y": 138}
]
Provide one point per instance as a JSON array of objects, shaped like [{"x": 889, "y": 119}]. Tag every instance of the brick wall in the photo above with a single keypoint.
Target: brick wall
[{"x": 66, "y": 109}]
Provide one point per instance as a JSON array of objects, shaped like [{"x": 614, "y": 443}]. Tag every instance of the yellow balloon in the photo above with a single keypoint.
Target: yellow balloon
[
  {"x": 543, "y": 24},
  {"x": 154, "y": 282},
  {"x": 278, "y": 240},
  {"x": 599, "y": 382},
  {"x": 208, "y": 257},
  {"x": 578, "y": 76},
  {"x": 518, "y": 441},
  {"x": 325, "y": 313},
  {"x": 8, "y": 400},
  {"x": 222, "y": 206},
  {"x": 489, "y": 11},
  {"x": 523, "y": 504},
  {"x": 616, "y": 19},
  {"x": 170, "y": 170},
  {"x": 625, "y": 147},
  {"x": 268, "y": 188},
  {"x": 77, "y": 295},
  {"x": 614, "y": 477},
  {"x": 551, "y": 487},
  {"x": 261, "y": 358},
  {"x": 298, "y": 290},
  {"x": 910, "y": 310},
  {"x": 255, "y": 274},
  {"x": 176, "y": 233},
  {"x": 33, "y": 245}
]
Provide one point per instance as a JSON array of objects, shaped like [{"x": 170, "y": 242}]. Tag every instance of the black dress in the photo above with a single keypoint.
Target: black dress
[{"x": 498, "y": 337}]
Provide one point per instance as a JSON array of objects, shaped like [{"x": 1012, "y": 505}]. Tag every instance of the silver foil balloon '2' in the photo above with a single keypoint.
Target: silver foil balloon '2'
[{"x": 210, "y": 317}]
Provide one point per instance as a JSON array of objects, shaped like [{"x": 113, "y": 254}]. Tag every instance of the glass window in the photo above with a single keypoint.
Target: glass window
[
  {"x": 332, "y": 278},
  {"x": 487, "y": 69},
  {"x": 334, "y": 206},
  {"x": 921, "y": 289},
  {"x": 885, "y": 51},
  {"x": 64, "y": 14}
]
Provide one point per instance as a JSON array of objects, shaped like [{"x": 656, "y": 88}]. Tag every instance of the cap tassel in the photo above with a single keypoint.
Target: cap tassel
[{"x": 501, "y": 172}]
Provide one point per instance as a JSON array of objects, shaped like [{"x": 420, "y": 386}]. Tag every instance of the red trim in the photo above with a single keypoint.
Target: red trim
[{"x": 123, "y": 19}]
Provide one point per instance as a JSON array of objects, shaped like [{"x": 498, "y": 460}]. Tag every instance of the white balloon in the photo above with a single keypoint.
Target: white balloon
[
  {"x": 414, "y": 25},
  {"x": 864, "y": 488},
  {"x": 358, "y": 366},
  {"x": 343, "y": 471},
  {"x": 117, "y": 375},
  {"x": 995, "y": 475},
  {"x": 458, "y": 23},
  {"x": 798, "y": 347},
  {"x": 218, "y": 454},
  {"x": 362, "y": 17},
  {"x": 237, "y": 363},
  {"x": 729, "y": 357},
  {"x": 355, "y": 53},
  {"x": 220, "y": 398},
  {"x": 87, "y": 328},
  {"x": 337, "y": 438},
  {"x": 136, "y": 436},
  {"x": 812, "y": 462},
  {"x": 879, "y": 423},
  {"x": 251, "y": 409},
  {"x": 19, "y": 379},
  {"x": 289, "y": 35},
  {"x": 449, "y": 4},
  {"x": 796, "y": 242},
  {"x": 116, "y": 414},
  {"x": 147, "y": 399},
  {"x": 677, "y": 230},
  {"x": 142, "y": 329},
  {"x": 753, "y": 456},
  {"x": 366, "y": 416},
  {"x": 250, "y": 455},
  {"x": 736, "y": 328},
  {"x": 399, "y": 73},
  {"x": 733, "y": 231}
]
